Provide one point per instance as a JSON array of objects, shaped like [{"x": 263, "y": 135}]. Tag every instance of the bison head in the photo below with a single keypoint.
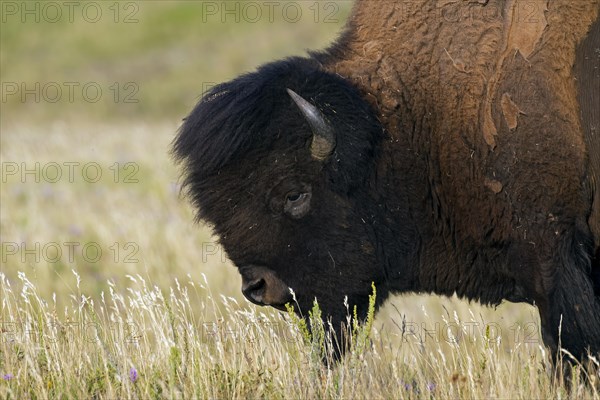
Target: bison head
[{"x": 282, "y": 163}]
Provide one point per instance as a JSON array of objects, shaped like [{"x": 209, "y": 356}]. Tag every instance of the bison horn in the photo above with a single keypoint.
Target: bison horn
[{"x": 323, "y": 141}]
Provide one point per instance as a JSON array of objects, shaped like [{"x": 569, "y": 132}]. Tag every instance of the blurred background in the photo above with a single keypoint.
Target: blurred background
[{"x": 93, "y": 94}]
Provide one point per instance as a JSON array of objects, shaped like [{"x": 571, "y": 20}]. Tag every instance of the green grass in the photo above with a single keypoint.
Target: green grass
[
  {"x": 171, "y": 52},
  {"x": 162, "y": 304}
]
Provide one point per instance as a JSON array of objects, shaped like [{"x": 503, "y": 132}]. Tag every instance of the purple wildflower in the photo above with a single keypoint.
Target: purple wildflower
[
  {"x": 431, "y": 386},
  {"x": 133, "y": 375},
  {"x": 75, "y": 230},
  {"x": 7, "y": 377},
  {"x": 407, "y": 386}
]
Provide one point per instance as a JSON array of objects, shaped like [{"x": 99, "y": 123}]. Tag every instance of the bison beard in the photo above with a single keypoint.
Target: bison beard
[{"x": 421, "y": 155}]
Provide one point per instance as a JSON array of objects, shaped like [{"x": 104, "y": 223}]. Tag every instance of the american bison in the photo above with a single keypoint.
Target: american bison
[{"x": 437, "y": 147}]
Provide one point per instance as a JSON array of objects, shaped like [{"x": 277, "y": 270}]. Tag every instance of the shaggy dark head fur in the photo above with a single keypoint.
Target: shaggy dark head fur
[{"x": 282, "y": 215}]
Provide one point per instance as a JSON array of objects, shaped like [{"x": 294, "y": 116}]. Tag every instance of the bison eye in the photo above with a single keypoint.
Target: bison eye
[
  {"x": 294, "y": 197},
  {"x": 297, "y": 204}
]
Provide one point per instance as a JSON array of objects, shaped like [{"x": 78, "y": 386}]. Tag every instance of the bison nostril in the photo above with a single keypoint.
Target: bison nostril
[{"x": 254, "y": 290}]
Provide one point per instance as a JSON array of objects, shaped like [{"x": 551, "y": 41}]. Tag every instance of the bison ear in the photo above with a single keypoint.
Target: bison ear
[{"x": 323, "y": 140}]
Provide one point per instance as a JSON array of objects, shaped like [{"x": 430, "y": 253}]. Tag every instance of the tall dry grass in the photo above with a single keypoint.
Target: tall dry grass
[{"x": 186, "y": 341}]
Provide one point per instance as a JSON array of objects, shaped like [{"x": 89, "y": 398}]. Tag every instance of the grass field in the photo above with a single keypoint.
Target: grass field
[{"x": 107, "y": 287}]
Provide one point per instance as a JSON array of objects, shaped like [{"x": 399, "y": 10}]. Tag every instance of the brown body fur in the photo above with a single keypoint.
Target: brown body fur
[{"x": 439, "y": 73}]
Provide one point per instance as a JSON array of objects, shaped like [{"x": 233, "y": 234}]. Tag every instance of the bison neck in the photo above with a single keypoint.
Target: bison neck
[{"x": 462, "y": 92}]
